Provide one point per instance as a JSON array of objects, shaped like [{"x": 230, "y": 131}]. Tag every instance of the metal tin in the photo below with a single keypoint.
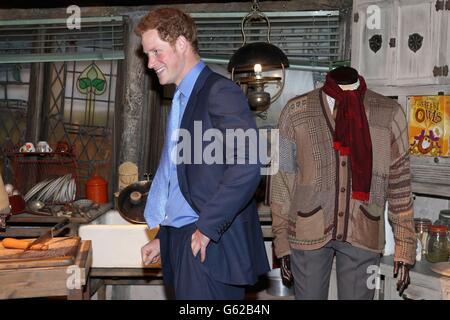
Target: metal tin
[
  {"x": 276, "y": 286},
  {"x": 97, "y": 189}
]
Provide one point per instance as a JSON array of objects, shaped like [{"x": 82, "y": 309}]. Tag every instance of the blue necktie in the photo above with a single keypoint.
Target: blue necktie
[{"x": 154, "y": 212}]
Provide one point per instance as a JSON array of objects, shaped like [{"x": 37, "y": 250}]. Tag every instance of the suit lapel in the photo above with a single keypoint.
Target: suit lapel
[
  {"x": 185, "y": 122},
  {"x": 190, "y": 107}
]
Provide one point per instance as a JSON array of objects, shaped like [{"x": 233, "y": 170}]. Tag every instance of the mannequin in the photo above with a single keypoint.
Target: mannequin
[
  {"x": 347, "y": 79},
  {"x": 344, "y": 75}
]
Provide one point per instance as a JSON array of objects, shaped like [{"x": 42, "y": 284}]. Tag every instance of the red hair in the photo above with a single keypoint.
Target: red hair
[{"x": 170, "y": 24}]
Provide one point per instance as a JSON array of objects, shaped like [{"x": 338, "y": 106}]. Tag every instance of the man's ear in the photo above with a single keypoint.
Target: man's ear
[{"x": 181, "y": 43}]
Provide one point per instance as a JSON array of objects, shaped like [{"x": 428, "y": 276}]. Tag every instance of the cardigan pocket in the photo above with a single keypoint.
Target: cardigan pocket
[
  {"x": 309, "y": 226},
  {"x": 366, "y": 228},
  {"x": 368, "y": 215}
]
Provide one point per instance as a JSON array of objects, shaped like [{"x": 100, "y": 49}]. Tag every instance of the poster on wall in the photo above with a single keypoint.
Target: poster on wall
[{"x": 429, "y": 125}]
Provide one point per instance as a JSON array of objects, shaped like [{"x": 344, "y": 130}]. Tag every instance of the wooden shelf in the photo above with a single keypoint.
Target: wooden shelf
[
  {"x": 431, "y": 189},
  {"x": 430, "y": 176}
]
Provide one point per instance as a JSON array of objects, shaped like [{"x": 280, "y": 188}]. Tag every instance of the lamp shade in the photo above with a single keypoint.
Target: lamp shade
[{"x": 263, "y": 53}]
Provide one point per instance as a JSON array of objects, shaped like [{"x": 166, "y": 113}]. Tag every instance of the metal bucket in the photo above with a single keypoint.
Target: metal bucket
[{"x": 276, "y": 286}]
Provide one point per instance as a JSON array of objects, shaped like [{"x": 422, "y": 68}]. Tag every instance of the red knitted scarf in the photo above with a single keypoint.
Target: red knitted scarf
[{"x": 351, "y": 134}]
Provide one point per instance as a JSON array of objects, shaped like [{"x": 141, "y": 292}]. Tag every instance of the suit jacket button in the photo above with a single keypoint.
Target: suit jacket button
[
  {"x": 341, "y": 214},
  {"x": 342, "y": 189},
  {"x": 339, "y": 236}
]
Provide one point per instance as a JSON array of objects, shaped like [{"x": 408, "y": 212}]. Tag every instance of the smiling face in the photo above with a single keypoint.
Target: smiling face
[
  {"x": 168, "y": 61},
  {"x": 426, "y": 142},
  {"x": 425, "y": 145}
]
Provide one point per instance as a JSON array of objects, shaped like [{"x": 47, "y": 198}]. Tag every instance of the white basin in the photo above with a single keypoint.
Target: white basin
[{"x": 116, "y": 243}]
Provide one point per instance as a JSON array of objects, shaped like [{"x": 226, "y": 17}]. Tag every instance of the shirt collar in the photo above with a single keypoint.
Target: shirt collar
[{"x": 188, "y": 82}]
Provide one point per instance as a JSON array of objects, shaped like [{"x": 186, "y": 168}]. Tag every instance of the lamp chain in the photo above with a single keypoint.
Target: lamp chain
[
  {"x": 255, "y": 14},
  {"x": 255, "y": 6}
]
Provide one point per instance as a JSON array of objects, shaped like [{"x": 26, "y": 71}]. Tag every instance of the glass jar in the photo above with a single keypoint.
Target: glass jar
[
  {"x": 422, "y": 227},
  {"x": 437, "y": 244},
  {"x": 444, "y": 216}
]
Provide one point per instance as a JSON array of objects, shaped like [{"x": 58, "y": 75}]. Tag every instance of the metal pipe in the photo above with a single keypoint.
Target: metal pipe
[
  {"x": 321, "y": 13},
  {"x": 21, "y": 22},
  {"x": 291, "y": 66}
]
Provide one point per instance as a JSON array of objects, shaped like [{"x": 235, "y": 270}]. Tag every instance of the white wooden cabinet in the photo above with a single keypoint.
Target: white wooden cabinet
[
  {"x": 371, "y": 54},
  {"x": 396, "y": 63},
  {"x": 401, "y": 42},
  {"x": 418, "y": 42}
]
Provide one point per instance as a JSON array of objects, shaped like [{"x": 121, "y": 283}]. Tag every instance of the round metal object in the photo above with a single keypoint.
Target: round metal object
[
  {"x": 262, "y": 80},
  {"x": 135, "y": 197},
  {"x": 266, "y": 54},
  {"x": 36, "y": 205},
  {"x": 131, "y": 201},
  {"x": 259, "y": 101},
  {"x": 276, "y": 286}
]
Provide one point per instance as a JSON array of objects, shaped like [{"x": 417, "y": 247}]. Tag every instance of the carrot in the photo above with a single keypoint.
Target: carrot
[{"x": 11, "y": 243}]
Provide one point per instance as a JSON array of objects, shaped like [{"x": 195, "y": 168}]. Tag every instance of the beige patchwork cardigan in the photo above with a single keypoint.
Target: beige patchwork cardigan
[{"x": 310, "y": 195}]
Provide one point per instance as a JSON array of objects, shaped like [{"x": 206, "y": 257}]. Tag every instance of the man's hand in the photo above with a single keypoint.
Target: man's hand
[
  {"x": 286, "y": 274},
  {"x": 199, "y": 242},
  {"x": 151, "y": 252},
  {"x": 402, "y": 270}
]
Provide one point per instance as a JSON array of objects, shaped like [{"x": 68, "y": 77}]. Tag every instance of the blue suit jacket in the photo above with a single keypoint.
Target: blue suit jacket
[{"x": 222, "y": 194}]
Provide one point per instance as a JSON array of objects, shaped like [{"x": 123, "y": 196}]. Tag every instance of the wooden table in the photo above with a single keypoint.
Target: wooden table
[
  {"x": 101, "y": 277},
  {"x": 71, "y": 281}
]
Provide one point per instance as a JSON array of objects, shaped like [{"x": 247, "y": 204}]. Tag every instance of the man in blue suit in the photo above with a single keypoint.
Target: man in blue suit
[{"x": 210, "y": 241}]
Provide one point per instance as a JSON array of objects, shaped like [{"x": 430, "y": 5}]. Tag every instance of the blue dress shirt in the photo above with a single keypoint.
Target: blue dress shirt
[{"x": 178, "y": 211}]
